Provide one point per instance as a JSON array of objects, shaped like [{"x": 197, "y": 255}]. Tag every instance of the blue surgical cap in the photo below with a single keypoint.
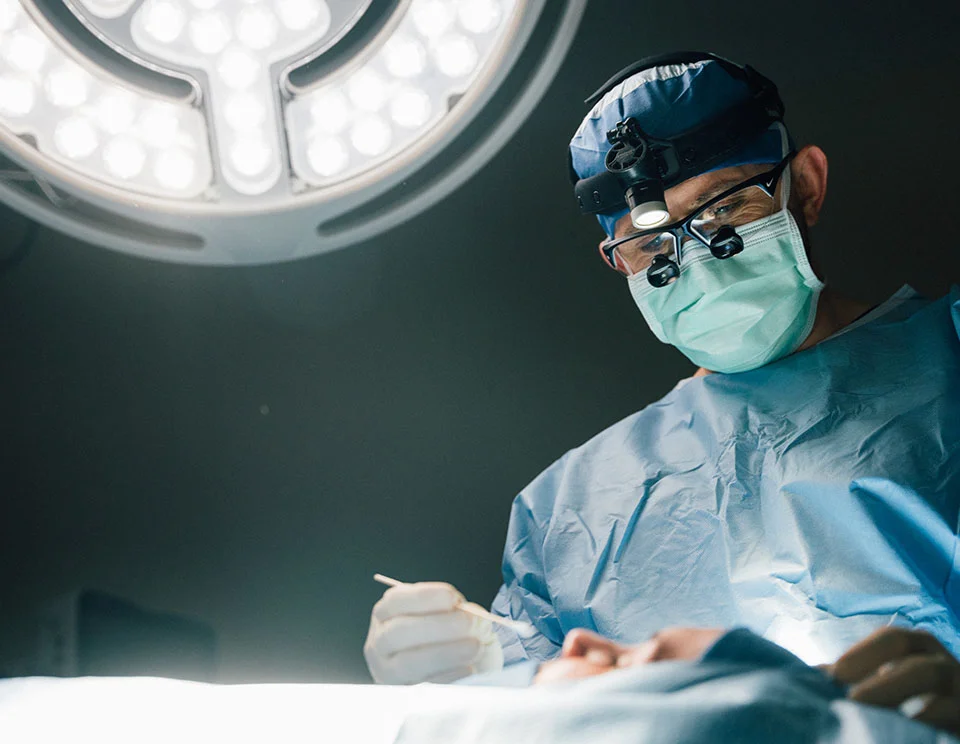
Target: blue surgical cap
[{"x": 667, "y": 101}]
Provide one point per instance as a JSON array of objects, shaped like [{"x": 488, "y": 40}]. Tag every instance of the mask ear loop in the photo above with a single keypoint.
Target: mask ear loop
[{"x": 785, "y": 177}]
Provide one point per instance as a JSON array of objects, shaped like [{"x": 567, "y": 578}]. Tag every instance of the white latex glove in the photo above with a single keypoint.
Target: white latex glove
[{"x": 417, "y": 635}]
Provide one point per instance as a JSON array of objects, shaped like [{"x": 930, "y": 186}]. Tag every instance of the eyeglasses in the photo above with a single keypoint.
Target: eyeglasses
[{"x": 659, "y": 252}]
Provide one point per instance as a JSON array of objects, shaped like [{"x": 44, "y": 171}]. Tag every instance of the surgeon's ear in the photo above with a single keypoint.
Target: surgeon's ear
[{"x": 808, "y": 183}]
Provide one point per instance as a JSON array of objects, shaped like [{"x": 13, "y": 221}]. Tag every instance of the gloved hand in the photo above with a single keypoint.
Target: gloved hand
[{"x": 417, "y": 635}]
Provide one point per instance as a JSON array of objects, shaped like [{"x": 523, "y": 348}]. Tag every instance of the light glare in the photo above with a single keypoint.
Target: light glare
[
  {"x": 456, "y": 56},
  {"x": 250, "y": 156},
  {"x": 174, "y": 169},
  {"x": 116, "y": 112},
  {"x": 330, "y": 112},
  {"x": 404, "y": 57},
  {"x": 327, "y": 156},
  {"x": 210, "y": 33},
  {"x": 26, "y": 51},
  {"x": 245, "y": 112},
  {"x": 479, "y": 16},
  {"x": 238, "y": 69},
  {"x": 124, "y": 157},
  {"x": 367, "y": 90},
  {"x": 9, "y": 14},
  {"x": 160, "y": 125},
  {"x": 17, "y": 95},
  {"x": 75, "y": 137},
  {"x": 410, "y": 108},
  {"x": 298, "y": 15},
  {"x": 371, "y": 136},
  {"x": 164, "y": 20},
  {"x": 431, "y": 17},
  {"x": 67, "y": 86},
  {"x": 257, "y": 27}
]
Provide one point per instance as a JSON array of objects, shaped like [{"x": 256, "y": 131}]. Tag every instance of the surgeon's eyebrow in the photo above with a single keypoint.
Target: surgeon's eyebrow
[{"x": 715, "y": 190}]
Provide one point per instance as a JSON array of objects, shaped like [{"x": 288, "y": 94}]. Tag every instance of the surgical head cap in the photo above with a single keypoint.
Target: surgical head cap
[{"x": 667, "y": 101}]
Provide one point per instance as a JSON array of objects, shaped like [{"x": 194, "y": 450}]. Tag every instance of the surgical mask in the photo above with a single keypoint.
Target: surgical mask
[{"x": 739, "y": 313}]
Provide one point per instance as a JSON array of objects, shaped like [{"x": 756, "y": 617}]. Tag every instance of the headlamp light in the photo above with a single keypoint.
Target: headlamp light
[{"x": 639, "y": 167}]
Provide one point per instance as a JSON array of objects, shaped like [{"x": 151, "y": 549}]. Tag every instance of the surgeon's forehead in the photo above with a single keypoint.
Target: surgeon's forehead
[{"x": 687, "y": 195}]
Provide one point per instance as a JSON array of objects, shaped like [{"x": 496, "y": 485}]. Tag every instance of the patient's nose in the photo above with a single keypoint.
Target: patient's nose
[{"x": 590, "y": 646}]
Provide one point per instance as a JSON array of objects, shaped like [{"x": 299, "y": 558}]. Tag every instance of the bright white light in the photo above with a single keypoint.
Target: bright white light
[
  {"x": 238, "y": 69},
  {"x": 75, "y": 137},
  {"x": 456, "y": 56},
  {"x": 164, "y": 20},
  {"x": 9, "y": 14},
  {"x": 327, "y": 156},
  {"x": 210, "y": 33},
  {"x": 124, "y": 157},
  {"x": 174, "y": 169},
  {"x": 257, "y": 27},
  {"x": 410, "y": 108},
  {"x": 67, "y": 86},
  {"x": 367, "y": 90},
  {"x": 298, "y": 15},
  {"x": 479, "y": 16},
  {"x": 204, "y": 4},
  {"x": 330, "y": 112},
  {"x": 116, "y": 112},
  {"x": 371, "y": 136},
  {"x": 431, "y": 17},
  {"x": 160, "y": 125},
  {"x": 404, "y": 57},
  {"x": 26, "y": 51},
  {"x": 245, "y": 112},
  {"x": 17, "y": 95},
  {"x": 250, "y": 156}
]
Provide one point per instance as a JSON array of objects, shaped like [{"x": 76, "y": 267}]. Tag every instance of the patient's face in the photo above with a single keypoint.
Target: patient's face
[{"x": 587, "y": 654}]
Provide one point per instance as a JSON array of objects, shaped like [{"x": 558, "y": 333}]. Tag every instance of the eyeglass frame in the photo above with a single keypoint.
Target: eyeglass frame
[{"x": 767, "y": 181}]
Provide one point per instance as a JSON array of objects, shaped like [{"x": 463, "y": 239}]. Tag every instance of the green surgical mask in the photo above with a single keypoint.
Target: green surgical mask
[{"x": 738, "y": 313}]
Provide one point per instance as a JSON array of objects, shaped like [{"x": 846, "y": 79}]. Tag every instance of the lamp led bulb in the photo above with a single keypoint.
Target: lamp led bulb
[
  {"x": 67, "y": 86},
  {"x": 124, "y": 157},
  {"x": 257, "y": 27},
  {"x": 297, "y": 15},
  {"x": 649, "y": 214},
  {"x": 26, "y": 51},
  {"x": 17, "y": 95},
  {"x": 175, "y": 169},
  {"x": 210, "y": 33},
  {"x": 404, "y": 57},
  {"x": 479, "y": 16},
  {"x": 371, "y": 136},
  {"x": 76, "y": 138},
  {"x": 327, "y": 156},
  {"x": 164, "y": 20}
]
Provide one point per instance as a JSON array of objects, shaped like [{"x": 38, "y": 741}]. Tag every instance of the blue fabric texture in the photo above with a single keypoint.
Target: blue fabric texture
[
  {"x": 677, "y": 98},
  {"x": 812, "y": 501},
  {"x": 743, "y": 690}
]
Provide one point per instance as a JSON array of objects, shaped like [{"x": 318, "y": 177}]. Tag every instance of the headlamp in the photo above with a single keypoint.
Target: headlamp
[{"x": 639, "y": 167}]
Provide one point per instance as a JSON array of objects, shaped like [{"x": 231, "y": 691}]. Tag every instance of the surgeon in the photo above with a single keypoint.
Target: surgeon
[{"x": 804, "y": 483}]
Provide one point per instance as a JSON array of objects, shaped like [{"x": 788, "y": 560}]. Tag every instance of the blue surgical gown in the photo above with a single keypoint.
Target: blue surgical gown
[{"x": 812, "y": 500}]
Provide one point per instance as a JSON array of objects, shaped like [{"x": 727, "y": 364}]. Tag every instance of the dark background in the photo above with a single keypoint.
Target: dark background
[{"x": 247, "y": 446}]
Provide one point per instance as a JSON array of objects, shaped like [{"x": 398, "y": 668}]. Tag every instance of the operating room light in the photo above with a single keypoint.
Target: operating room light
[{"x": 185, "y": 130}]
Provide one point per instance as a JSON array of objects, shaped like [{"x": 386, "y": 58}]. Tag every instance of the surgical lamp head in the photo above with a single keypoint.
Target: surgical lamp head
[{"x": 666, "y": 119}]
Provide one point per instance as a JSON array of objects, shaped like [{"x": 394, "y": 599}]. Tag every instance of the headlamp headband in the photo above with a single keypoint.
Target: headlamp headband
[{"x": 640, "y": 167}]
